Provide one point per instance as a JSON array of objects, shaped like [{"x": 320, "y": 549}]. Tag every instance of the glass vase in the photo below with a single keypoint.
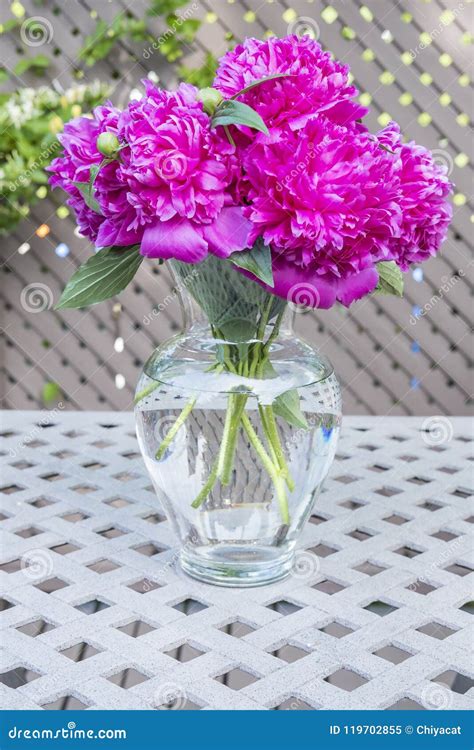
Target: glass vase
[{"x": 237, "y": 421}]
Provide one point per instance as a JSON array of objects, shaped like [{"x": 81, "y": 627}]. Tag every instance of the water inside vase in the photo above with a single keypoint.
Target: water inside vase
[{"x": 239, "y": 526}]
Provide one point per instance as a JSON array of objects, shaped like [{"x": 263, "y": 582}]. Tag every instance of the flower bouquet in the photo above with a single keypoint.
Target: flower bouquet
[{"x": 265, "y": 193}]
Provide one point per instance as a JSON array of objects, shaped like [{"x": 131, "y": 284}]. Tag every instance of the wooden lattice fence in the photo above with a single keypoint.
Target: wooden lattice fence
[{"x": 412, "y": 57}]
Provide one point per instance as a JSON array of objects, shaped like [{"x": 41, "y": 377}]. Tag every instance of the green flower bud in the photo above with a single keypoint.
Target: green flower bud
[
  {"x": 108, "y": 144},
  {"x": 210, "y": 98}
]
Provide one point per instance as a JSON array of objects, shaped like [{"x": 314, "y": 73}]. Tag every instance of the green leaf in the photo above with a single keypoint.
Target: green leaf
[
  {"x": 51, "y": 392},
  {"x": 104, "y": 275},
  {"x": 231, "y": 112},
  {"x": 390, "y": 278},
  {"x": 287, "y": 406},
  {"x": 257, "y": 83},
  {"x": 85, "y": 190},
  {"x": 258, "y": 261}
]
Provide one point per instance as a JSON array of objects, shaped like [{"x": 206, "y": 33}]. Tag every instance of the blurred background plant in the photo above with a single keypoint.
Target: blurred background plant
[
  {"x": 30, "y": 119},
  {"x": 29, "y": 123}
]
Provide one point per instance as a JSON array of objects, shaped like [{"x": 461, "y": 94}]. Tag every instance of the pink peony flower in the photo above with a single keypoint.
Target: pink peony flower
[
  {"x": 79, "y": 155},
  {"x": 424, "y": 186},
  {"x": 317, "y": 84},
  {"x": 325, "y": 200},
  {"x": 179, "y": 172}
]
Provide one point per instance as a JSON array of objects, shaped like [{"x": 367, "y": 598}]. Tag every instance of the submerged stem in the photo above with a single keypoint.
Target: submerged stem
[
  {"x": 231, "y": 434},
  {"x": 207, "y": 487},
  {"x": 182, "y": 417},
  {"x": 274, "y": 472}
]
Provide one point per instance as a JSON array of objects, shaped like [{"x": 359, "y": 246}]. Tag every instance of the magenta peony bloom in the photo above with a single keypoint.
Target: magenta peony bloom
[
  {"x": 80, "y": 154},
  {"x": 179, "y": 172},
  {"x": 317, "y": 84},
  {"x": 424, "y": 186},
  {"x": 325, "y": 200}
]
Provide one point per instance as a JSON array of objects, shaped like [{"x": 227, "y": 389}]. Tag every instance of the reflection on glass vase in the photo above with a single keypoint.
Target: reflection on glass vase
[{"x": 237, "y": 420}]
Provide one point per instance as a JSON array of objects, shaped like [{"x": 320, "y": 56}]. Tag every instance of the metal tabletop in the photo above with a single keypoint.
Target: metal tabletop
[{"x": 96, "y": 613}]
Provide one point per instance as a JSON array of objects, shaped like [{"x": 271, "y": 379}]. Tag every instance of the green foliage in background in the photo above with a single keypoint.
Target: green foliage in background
[{"x": 30, "y": 120}]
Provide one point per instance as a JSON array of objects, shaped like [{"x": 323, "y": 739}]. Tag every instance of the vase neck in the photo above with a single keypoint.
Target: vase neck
[{"x": 213, "y": 293}]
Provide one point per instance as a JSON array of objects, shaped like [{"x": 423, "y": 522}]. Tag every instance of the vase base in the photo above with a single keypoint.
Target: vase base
[{"x": 238, "y": 565}]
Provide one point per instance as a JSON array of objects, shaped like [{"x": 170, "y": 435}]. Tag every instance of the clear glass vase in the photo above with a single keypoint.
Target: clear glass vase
[{"x": 237, "y": 421}]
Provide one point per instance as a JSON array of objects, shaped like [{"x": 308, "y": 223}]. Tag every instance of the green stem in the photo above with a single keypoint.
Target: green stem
[
  {"x": 230, "y": 437},
  {"x": 274, "y": 473},
  {"x": 273, "y": 437},
  {"x": 207, "y": 487},
  {"x": 182, "y": 417},
  {"x": 146, "y": 391}
]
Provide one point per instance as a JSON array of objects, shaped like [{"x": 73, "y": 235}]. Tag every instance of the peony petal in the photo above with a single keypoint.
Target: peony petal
[
  {"x": 298, "y": 285},
  {"x": 113, "y": 232},
  {"x": 229, "y": 233},
  {"x": 356, "y": 286},
  {"x": 177, "y": 238}
]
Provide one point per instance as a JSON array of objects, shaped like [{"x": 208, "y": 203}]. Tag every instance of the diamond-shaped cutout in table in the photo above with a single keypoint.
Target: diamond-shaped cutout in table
[
  {"x": 421, "y": 587},
  {"x": 283, "y": 607},
  {"x": 237, "y": 629},
  {"x": 393, "y": 654},
  {"x": 380, "y": 608},
  {"x": 18, "y": 677},
  {"x": 294, "y": 704},
  {"x": 65, "y": 703},
  {"x": 128, "y": 678},
  {"x": 189, "y": 606},
  {"x": 468, "y": 607},
  {"x": 180, "y": 703},
  {"x": 351, "y": 504},
  {"x": 64, "y": 549},
  {"x": 388, "y": 491},
  {"x": 118, "y": 502},
  {"x": 12, "y": 566},
  {"x": 184, "y": 652},
  {"x": 154, "y": 518},
  {"x": 336, "y": 630},
  {"x": 144, "y": 586},
  {"x": 360, "y": 535},
  {"x": 445, "y": 536},
  {"x": 80, "y": 651},
  {"x": 396, "y": 519},
  {"x": 75, "y": 517},
  {"x": 407, "y": 551},
  {"x": 29, "y": 532},
  {"x": 103, "y": 566},
  {"x": 112, "y": 533},
  {"x": 406, "y": 704},
  {"x": 149, "y": 550},
  {"x": 458, "y": 570},
  {"x": 346, "y": 679},
  {"x": 429, "y": 505},
  {"x": 328, "y": 587},
  {"x": 51, "y": 585},
  {"x": 323, "y": 550},
  {"x": 459, "y": 683},
  {"x": 370, "y": 569},
  {"x": 136, "y": 628},
  {"x": 92, "y": 606},
  {"x": 436, "y": 630},
  {"x": 5, "y": 604},
  {"x": 289, "y": 653},
  {"x": 236, "y": 679},
  {"x": 35, "y": 628}
]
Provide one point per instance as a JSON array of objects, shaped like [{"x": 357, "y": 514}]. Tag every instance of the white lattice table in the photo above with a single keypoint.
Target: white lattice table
[{"x": 96, "y": 613}]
